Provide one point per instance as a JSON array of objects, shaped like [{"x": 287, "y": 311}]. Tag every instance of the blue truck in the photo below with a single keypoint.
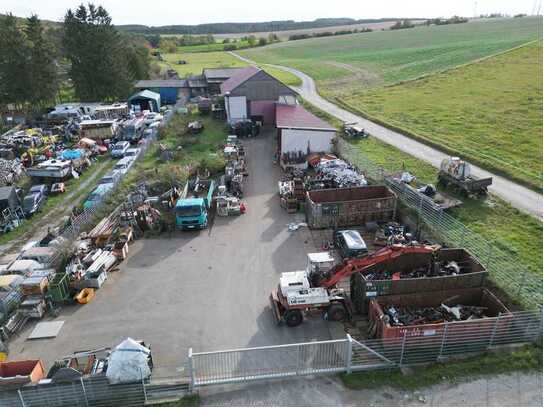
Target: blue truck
[{"x": 192, "y": 208}]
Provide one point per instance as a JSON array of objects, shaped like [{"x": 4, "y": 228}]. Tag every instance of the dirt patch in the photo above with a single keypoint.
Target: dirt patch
[{"x": 358, "y": 79}]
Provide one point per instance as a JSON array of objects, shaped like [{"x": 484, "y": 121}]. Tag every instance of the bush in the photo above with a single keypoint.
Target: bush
[
  {"x": 230, "y": 47},
  {"x": 262, "y": 42}
]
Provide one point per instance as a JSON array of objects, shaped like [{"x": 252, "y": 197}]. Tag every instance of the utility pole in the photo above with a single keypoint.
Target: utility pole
[{"x": 475, "y": 9}]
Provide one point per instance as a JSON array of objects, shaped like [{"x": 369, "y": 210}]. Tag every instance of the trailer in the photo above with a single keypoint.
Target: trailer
[
  {"x": 381, "y": 326},
  {"x": 343, "y": 207},
  {"x": 52, "y": 169},
  {"x": 446, "y": 269},
  {"x": 457, "y": 173}
]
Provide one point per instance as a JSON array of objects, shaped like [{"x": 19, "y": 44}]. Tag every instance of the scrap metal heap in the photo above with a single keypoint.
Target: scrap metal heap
[
  {"x": 436, "y": 269},
  {"x": 407, "y": 316},
  {"x": 337, "y": 173}
]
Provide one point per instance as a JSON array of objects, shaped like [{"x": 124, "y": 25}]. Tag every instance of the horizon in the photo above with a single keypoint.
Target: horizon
[{"x": 162, "y": 13}]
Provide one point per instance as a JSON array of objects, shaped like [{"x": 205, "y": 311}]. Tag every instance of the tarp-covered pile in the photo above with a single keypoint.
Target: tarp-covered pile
[{"x": 128, "y": 362}]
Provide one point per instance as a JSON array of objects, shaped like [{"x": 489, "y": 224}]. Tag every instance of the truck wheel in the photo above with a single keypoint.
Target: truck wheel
[
  {"x": 337, "y": 312},
  {"x": 293, "y": 318}
]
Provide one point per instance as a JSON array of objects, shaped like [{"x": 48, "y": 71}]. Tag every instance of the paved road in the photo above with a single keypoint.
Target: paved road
[{"x": 518, "y": 196}]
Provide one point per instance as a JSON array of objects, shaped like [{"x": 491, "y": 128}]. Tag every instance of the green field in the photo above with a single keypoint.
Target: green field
[
  {"x": 489, "y": 112},
  {"x": 358, "y": 61},
  {"x": 196, "y": 62}
]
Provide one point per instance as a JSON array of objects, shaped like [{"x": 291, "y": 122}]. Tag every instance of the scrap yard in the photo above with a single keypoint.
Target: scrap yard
[{"x": 198, "y": 233}]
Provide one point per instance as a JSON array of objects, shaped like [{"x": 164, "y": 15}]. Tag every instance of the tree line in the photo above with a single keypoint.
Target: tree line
[{"x": 85, "y": 53}]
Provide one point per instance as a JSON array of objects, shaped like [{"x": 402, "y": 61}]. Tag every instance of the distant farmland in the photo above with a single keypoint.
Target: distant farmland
[
  {"x": 350, "y": 63},
  {"x": 489, "y": 112}
]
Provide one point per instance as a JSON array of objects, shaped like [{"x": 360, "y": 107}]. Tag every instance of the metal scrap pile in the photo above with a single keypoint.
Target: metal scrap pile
[
  {"x": 437, "y": 269},
  {"x": 10, "y": 171},
  {"x": 337, "y": 174},
  {"x": 406, "y": 316}
]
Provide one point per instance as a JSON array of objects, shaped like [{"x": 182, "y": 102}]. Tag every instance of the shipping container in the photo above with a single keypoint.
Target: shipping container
[
  {"x": 330, "y": 208},
  {"x": 458, "y": 330},
  {"x": 364, "y": 288}
]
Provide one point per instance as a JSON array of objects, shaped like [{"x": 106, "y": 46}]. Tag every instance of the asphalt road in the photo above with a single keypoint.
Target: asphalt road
[
  {"x": 204, "y": 290},
  {"x": 518, "y": 196}
]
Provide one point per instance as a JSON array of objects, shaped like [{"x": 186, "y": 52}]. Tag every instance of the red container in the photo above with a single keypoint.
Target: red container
[
  {"x": 21, "y": 372},
  {"x": 459, "y": 330}
]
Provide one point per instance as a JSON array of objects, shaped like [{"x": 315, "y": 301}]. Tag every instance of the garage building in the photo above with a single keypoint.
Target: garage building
[
  {"x": 300, "y": 133},
  {"x": 252, "y": 93}
]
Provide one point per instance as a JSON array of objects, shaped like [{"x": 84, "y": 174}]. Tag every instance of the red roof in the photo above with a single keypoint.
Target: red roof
[
  {"x": 238, "y": 78},
  {"x": 296, "y": 117}
]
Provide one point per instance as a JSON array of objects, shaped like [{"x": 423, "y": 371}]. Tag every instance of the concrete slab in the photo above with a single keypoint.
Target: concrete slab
[{"x": 46, "y": 330}]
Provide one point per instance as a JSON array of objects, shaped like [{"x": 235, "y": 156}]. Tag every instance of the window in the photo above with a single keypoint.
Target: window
[{"x": 193, "y": 210}]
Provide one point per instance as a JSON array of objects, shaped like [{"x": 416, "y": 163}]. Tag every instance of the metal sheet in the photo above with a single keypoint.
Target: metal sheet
[{"x": 46, "y": 330}]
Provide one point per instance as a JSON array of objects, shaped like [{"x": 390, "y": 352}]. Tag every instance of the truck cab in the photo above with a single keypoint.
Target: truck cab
[{"x": 192, "y": 208}]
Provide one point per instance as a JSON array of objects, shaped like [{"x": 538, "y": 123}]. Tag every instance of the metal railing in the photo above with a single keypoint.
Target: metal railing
[
  {"x": 506, "y": 269},
  {"x": 424, "y": 345}
]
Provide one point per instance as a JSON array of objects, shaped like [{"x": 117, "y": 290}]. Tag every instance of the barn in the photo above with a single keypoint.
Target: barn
[
  {"x": 252, "y": 93},
  {"x": 169, "y": 90},
  {"x": 300, "y": 133}
]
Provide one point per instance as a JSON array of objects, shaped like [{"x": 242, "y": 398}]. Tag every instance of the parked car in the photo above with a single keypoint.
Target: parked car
[
  {"x": 152, "y": 118},
  {"x": 119, "y": 149},
  {"x": 112, "y": 177},
  {"x": 148, "y": 133},
  {"x": 97, "y": 195},
  {"x": 123, "y": 165},
  {"x": 350, "y": 244},
  {"x": 38, "y": 189},
  {"x": 32, "y": 203},
  {"x": 133, "y": 153}
]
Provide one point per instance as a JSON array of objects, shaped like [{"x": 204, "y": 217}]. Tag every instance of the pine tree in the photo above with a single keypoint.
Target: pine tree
[
  {"x": 42, "y": 66},
  {"x": 14, "y": 55}
]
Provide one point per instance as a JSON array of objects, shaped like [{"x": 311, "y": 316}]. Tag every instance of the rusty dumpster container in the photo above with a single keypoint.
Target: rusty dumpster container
[
  {"x": 367, "y": 285},
  {"x": 475, "y": 331},
  {"x": 342, "y": 207}
]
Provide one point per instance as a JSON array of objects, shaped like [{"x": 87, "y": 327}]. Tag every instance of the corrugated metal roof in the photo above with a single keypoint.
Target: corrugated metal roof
[
  {"x": 296, "y": 117},
  {"x": 238, "y": 78},
  {"x": 161, "y": 83},
  {"x": 145, "y": 94},
  {"x": 220, "y": 73}
]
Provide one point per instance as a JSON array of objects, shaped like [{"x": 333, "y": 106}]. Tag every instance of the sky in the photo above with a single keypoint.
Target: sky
[{"x": 167, "y": 12}]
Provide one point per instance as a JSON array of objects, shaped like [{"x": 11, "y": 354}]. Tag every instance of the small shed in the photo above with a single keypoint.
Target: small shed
[
  {"x": 145, "y": 100},
  {"x": 9, "y": 198},
  {"x": 301, "y": 133},
  {"x": 169, "y": 90}
]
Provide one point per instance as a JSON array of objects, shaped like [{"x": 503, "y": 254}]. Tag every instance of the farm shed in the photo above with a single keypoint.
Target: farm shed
[
  {"x": 169, "y": 90},
  {"x": 340, "y": 207},
  {"x": 389, "y": 277},
  {"x": 251, "y": 93},
  {"x": 216, "y": 76},
  {"x": 299, "y": 131},
  {"x": 145, "y": 100}
]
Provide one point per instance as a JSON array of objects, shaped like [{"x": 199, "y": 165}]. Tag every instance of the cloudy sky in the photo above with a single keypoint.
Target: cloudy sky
[{"x": 164, "y": 12}]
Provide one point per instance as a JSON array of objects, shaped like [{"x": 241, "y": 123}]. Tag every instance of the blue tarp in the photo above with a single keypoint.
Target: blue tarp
[{"x": 72, "y": 154}]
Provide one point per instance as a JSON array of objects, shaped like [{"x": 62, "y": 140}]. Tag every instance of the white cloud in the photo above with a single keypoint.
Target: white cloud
[{"x": 165, "y": 12}]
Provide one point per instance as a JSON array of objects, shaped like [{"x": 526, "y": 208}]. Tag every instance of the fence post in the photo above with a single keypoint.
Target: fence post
[
  {"x": 443, "y": 340},
  {"x": 540, "y": 330},
  {"x": 143, "y": 387},
  {"x": 84, "y": 391},
  {"x": 404, "y": 339},
  {"x": 349, "y": 354},
  {"x": 21, "y": 398},
  {"x": 191, "y": 371},
  {"x": 298, "y": 358},
  {"x": 493, "y": 335}
]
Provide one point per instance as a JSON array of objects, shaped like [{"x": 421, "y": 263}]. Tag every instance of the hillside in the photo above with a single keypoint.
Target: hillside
[
  {"x": 342, "y": 65},
  {"x": 236, "y": 28}
]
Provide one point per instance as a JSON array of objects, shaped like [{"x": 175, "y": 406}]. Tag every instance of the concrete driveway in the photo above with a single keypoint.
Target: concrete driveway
[{"x": 207, "y": 290}]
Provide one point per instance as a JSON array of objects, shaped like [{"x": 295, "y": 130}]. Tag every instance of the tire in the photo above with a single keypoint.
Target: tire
[
  {"x": 336, "y": 312},
  {"x": 293, "y": 318}
]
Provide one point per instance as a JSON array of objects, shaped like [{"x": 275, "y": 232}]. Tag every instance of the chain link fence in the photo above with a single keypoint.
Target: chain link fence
[{"x": 505, "y": 269}]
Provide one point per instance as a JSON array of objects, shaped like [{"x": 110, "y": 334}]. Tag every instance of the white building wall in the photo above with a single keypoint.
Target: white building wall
[
  {"x": 236, "y": 108},
  {"x": 298, "y": 140}
]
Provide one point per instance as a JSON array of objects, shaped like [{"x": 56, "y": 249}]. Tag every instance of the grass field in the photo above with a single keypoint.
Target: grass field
[
  {"x": 353, "y": 62},
  {"x": 196, "y": 62},
  {"x": 489, "y": 112},
  {"x": 509, "y": 229}
]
